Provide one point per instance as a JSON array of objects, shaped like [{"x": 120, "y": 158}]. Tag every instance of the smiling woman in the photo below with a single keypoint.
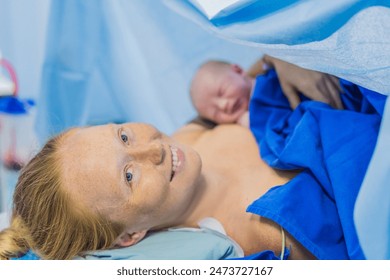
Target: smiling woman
[
  {"x": 130, "y": 173},
  {"x": 114, "y": 183}
]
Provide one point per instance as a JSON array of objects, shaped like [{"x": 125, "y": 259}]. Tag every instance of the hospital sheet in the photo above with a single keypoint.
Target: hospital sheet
[
  {"x": 372, "y": 208},
  {"x": 347, "y": 38},
  {"x": 331, "y": 148}
]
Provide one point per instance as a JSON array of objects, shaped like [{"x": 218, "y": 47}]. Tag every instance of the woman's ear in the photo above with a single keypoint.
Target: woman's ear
[
  {"x": 237, "y": 68},
  {"x": 127, "y": 239}
]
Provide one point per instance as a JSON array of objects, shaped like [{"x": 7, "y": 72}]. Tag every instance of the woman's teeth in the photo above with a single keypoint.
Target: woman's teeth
[{"x": 175, "y": 161}]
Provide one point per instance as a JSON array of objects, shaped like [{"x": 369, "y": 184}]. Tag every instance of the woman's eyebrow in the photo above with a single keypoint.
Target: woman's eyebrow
[{"x": 115, "y": 131}]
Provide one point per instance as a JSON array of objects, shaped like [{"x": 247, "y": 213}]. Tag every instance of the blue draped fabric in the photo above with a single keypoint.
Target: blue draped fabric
[
  {"x": 266, "y": 255},
  {"x": 331, "y": 147},
  {"x": 347, "y": 38},
  {"x": 269, "y": 22}
]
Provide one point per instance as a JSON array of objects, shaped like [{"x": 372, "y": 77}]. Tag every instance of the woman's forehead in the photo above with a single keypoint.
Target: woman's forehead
[
  {"x": 89, "y": 162},
  {"x": 81, "y": 134},
  {"x": 86, "y": 149}
]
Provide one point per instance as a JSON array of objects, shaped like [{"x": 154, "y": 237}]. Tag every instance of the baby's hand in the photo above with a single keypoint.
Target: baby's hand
[{"x": 244, "y": 119}]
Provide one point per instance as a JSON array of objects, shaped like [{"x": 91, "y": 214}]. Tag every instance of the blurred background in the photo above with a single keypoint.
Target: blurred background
[{"x": 69, "y": 62}]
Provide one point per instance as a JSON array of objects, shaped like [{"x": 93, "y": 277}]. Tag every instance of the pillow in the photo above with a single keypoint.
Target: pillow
[
  {"x": 173, "y": 244},
  {"x": 177, "y": 244}
]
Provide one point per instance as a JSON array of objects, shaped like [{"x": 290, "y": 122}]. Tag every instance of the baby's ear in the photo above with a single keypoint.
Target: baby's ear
[
  {"x": 127, "y": 239},
  {"x": 237, "y": 68}
]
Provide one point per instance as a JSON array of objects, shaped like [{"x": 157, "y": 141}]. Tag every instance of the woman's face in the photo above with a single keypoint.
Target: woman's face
[{"x": 131, "y": 173}]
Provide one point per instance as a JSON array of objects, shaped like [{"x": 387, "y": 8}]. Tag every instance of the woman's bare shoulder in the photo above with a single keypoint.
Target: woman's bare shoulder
[
  {"x": 193, "y": 130},
  {"x": 233, "y": 133},
  {"x": 189, "y": 133}
]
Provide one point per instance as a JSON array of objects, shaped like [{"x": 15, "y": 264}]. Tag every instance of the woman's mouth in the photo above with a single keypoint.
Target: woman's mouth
[{"x": 177, "y": 160}]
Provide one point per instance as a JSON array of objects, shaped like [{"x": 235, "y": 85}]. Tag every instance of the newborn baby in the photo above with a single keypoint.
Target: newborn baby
[{"x": 220, "y": 92}]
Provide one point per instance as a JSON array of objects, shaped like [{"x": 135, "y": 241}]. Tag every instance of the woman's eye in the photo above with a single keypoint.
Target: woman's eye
[
  {"x": 124, "y": 137},
  {"x": 129, "y": 176}
]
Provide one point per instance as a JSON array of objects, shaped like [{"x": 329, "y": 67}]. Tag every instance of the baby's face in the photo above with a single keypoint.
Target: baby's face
[{"x": 222, "y": 98}]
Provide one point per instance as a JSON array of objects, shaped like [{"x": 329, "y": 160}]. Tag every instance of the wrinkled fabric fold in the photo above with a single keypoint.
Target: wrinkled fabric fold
[
  {"x": 332, "y": 148},
  {"x": 346, "y": 38}
]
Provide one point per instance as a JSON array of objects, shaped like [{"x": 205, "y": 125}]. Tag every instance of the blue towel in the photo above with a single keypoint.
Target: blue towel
[{"x": 331, "y": 147}]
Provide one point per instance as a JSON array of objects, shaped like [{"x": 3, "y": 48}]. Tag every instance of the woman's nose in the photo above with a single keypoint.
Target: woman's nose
[{"x": 153, "y": 151}]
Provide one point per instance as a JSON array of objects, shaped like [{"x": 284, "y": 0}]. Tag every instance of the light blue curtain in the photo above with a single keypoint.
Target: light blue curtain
[
  {"x": 372, "y": 208},
  {"x": 22, "y": 40},
  {"x": 23, "y": 26},
  {"x": 346, "y": 38}
]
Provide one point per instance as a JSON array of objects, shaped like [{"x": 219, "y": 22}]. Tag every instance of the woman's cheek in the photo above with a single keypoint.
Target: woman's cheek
[{"x": 154, "y": 193}]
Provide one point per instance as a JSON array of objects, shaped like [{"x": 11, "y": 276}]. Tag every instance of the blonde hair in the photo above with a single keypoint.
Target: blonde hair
[{"x": 46, "y": 219}]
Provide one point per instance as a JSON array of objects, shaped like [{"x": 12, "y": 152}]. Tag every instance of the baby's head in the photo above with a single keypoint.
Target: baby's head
[{"x": 220, "y": 91}]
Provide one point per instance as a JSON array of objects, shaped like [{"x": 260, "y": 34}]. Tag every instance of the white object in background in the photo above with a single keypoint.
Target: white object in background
[
  {"x": 18, "y": 144},
  {"x": 216, "y": 8},
  {"x": 6, "y": 86}
]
